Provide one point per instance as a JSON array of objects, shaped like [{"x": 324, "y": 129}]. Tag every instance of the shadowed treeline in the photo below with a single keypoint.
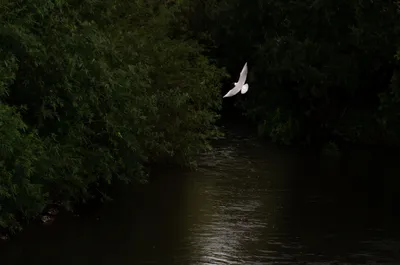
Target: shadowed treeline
[
  {"x": 90, "y": 91},
  {"x": 319, "y": 70}
]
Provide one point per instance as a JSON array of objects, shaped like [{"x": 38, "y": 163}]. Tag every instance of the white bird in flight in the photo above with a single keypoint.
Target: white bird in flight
[{"x": 240, "y": 84}]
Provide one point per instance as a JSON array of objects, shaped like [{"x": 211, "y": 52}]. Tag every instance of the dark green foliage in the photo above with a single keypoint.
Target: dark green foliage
[
  {"x": 90, "y": 91},
  {"x": 318, "y": 70}
]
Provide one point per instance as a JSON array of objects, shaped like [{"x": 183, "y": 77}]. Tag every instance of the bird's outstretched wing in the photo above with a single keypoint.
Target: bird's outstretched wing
[
  {"x": 243, "y": 75},
  {"x": 233, "y": 91}
]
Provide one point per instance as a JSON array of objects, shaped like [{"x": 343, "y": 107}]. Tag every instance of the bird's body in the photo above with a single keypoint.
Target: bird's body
[
  {"x": 240, "y": 84},
  {"x": 244, "y": 89}
]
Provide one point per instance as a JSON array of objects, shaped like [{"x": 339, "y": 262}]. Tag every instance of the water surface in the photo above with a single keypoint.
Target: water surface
[{"x": 248, "y": 203}]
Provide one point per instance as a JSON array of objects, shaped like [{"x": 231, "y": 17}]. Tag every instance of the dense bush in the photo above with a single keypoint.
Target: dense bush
[
  {"x": 91, "y": 90},
  {"x": 318, "y": 70}
]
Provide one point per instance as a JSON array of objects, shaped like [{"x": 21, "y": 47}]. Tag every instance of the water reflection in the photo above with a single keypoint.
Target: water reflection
[
  {"x": 247, "y": 204},
  {"x": 243, "y": 217}
]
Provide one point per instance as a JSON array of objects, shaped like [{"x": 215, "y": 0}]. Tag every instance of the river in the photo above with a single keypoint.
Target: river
[{"x": 248, "y": 203}]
